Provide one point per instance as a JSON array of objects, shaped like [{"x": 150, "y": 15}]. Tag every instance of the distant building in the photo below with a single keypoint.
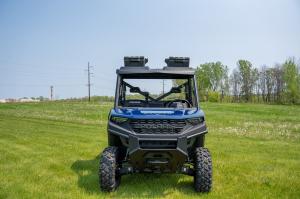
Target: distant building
[
  {"x": 28, "y": 100},
  {"x": 10, "y": 100}
]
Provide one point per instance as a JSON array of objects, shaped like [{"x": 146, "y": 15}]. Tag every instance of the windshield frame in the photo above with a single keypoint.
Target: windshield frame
[{"x": 120, "y": 79}]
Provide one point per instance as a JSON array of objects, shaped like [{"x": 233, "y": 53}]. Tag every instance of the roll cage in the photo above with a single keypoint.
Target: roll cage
[{"x": 135, "y": 68}]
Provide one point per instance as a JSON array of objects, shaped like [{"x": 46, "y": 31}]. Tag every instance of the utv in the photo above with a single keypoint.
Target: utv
[{"x": 156, "y": 132}]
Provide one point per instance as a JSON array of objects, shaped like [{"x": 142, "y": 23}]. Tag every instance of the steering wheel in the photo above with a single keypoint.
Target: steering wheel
[{"x": 179, "y": 100}]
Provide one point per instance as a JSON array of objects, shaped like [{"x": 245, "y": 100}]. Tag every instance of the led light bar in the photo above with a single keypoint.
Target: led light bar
[
  {"x": 135, "y": 61},
  {"x": 178, "y": 61}
]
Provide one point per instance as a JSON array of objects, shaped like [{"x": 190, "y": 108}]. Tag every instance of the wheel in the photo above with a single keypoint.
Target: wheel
[
  {"x": 109, "y": 179},
  {"x": 203, "y": 170}
]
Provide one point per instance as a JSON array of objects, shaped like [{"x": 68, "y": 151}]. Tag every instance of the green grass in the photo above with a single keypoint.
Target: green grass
[{"x": 50, "y": 150}]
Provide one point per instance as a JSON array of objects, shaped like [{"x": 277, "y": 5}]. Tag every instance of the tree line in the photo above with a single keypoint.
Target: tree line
[{"x": 265, "y": 84}]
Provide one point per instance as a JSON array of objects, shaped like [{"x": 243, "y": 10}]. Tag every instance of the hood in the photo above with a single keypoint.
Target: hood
[{"x": 152, "y": 113}]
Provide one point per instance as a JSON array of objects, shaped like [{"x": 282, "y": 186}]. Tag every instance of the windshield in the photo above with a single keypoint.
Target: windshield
[{"x": 158, "y": 93}]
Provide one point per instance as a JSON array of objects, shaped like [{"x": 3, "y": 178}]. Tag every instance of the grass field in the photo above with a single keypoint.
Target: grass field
[{"x": 50, "y": 150}]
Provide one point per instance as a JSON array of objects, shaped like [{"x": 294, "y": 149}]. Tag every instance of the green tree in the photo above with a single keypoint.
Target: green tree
[
  {"x": 247, "y": 80},
  {"x": 235, "y": 81},
  {"x": 212, "y": 76},
  {"x": 269, "y": 84},
  {"x": 291, "y": 81},
  {"x": 254, "y": 81},
  {"x": 203, "y": 74}
]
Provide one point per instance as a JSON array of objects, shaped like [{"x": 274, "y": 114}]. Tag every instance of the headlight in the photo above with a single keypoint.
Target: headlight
[
  {"x": 196, "y": 120},
  {"x": 118, "y": 120}
]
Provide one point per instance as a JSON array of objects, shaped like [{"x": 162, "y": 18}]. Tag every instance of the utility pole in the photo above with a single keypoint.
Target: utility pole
[
  {"x": 51, "y": 93},
  {"x": 89, "y": 80}
]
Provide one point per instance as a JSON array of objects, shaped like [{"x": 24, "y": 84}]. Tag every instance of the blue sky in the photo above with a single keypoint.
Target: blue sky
[{"x": 45, "y": 43}]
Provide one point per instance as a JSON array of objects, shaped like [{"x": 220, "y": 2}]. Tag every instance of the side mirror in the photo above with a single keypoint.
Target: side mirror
[
  {"x": 135, "y": 90},
  {"x": 146, "y": 94},
  {"x": 175, "y": 90}
]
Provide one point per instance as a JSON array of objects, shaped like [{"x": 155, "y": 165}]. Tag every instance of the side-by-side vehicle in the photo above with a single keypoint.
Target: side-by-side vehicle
[{"x": 156, "y": 132}]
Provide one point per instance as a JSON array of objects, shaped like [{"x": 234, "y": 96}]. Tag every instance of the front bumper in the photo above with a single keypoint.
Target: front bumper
[
  {"x": 164, "y": 155},
  {"x": 157, "y": 152}
]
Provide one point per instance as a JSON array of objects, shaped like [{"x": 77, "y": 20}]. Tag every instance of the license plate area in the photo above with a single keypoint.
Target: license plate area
[{"x": 158, "y": 144}]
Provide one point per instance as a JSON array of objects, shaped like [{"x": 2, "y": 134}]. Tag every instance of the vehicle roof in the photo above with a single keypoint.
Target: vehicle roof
[{"x": 146, "y": 72}]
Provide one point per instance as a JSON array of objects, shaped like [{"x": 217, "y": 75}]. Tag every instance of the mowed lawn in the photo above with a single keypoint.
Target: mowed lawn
[{"x": 51, "y": 150}]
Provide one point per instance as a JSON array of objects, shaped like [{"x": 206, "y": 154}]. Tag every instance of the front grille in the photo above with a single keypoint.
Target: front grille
[{"x": 156, "y": 126}]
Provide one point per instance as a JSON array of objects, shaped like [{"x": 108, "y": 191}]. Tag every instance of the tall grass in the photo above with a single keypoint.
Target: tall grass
[{"x": 51, "y": 150}]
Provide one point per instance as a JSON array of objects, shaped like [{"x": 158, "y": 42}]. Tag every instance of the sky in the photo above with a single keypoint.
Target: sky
[{"x": 44, "y": 43}]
